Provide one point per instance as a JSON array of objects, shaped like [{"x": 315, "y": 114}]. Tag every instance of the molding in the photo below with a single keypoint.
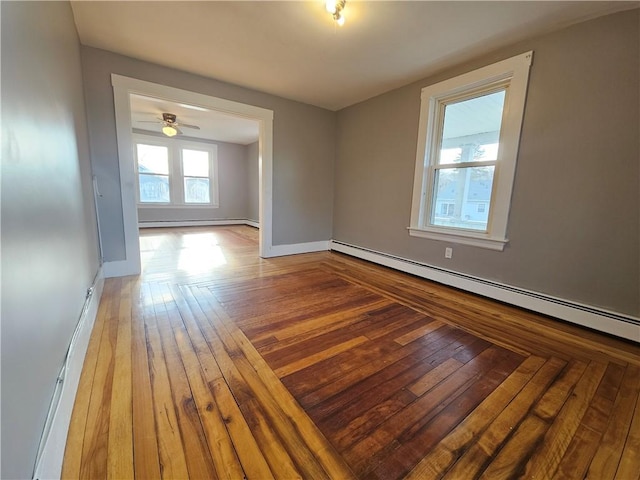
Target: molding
[
  {"x": 221, "y": 104},
  {"x": 460, "y": 238},
  {"x": 198, "y": 223},
  {"x": 122, "y": 88},
  {"x": 587, "y": 316},
  {"x": 511, "y": 74},
  {"x": 54, "y": 437},
  {"x": 297, "y": 248},
  {"x": 128, "y": 182},
  {"x": 120, "y": 268}
]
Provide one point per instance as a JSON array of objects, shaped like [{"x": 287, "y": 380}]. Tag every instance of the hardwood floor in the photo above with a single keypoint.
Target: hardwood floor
[{"x": 215, "y": 363}]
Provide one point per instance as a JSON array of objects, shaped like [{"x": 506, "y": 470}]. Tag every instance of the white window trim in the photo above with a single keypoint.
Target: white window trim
[
  {"x": 176, "y": 174},
  {"x": 515, "y": 73}
]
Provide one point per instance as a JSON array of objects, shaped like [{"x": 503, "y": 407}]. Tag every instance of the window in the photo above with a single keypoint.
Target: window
[
  {"x": 174, "y": 172},
  {"x": 466, "y": 157},
  {"x": 153, "y": 173},
  {"x": 195, "y": 166}
]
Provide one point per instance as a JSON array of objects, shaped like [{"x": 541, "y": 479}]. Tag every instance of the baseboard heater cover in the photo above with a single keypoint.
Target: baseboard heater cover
[
  {"x": 198, "y": 223},
  {"x": 53, "y": 441},
  {"x": 602, "y": 320}
]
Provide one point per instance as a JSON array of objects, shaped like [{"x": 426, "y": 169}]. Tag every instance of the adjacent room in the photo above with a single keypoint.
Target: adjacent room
[
  {"x": 215, "y": 145},
  {"x": 344, "y": 239}
]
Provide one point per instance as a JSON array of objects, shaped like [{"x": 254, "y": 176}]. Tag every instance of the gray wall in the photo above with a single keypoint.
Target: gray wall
[
  {"x": 253, "y": 182},
  {"x": 49, "y": 246},
  {"x": 303, "y": 149},
  {"x": 573, "y": 225},
  {"x": 232, "y": 190}
]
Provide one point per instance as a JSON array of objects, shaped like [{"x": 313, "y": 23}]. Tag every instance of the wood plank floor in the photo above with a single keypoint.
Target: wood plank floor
[{"x": 215, "y": 363}]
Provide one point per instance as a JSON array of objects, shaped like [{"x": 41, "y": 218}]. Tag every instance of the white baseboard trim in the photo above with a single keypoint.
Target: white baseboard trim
[
  {"x": 54, "y": 438},
  {"x": 120, "y": 268},
  {"x": 297, "y": 248},
  {"x": 604, "y": 321},
  {"x": 198, "y": 223}
]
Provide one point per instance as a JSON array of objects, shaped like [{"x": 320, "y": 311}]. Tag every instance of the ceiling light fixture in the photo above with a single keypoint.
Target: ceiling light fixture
[
  {"x": 169, "y": 131},
  {"x": 335, "y": 8}
]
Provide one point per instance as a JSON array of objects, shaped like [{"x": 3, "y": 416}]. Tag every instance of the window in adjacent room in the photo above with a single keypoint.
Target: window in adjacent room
[
  {"x": 153, "y": 173},
  {"x": 197, "y": 181},
  {"x": 176, "y": 173},
  {"x": 467, "y": 148}
]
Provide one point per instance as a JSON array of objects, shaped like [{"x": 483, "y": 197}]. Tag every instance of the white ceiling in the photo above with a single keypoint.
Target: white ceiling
[
  {"x": 146, "y": 113},
  {"x": 294, "y": 49}
]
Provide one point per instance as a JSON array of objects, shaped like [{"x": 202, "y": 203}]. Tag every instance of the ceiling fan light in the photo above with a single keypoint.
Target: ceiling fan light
[
  {"x": 330, "y": 5},
  {"x": 169, "y": 131},
  {"x": 335, "y": 8}
]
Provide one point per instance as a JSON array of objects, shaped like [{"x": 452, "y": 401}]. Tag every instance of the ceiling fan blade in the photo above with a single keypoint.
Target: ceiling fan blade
[
  {"x": 184, "y": 125},
  {"x": 149, "y": 121},
  {"x": 177, "y": 130}
]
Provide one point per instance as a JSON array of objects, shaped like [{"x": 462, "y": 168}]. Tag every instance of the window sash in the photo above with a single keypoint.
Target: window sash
[
  {"x": 467, "y": 206},
  {"x": 435, "y": 157},
  {"x": 185, "y": 196},
  {"x": 189, "y": 199},
  {"x": 150, "y": 187}
]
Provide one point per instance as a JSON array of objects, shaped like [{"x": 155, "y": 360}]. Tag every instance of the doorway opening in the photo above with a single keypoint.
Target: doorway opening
[{"x": 124, "y": 88}]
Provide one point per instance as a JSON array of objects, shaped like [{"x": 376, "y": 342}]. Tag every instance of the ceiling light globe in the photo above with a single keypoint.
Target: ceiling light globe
[
  {"x": 169, "y": 131},
  {"x": 330, "y": 5}
]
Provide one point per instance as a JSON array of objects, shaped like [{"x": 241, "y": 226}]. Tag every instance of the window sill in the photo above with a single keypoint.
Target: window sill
[{"x": 463, "y": 238}]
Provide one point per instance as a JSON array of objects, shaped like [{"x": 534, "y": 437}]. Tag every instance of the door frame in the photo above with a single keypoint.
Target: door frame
[{"x": 123, "y": 87}]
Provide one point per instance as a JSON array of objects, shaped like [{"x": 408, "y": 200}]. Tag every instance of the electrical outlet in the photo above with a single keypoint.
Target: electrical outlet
[{"x": 448, "y": 252}]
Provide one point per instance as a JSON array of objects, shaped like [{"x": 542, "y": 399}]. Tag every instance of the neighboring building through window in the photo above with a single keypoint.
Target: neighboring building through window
[
  {"x": 447, "y": 209},
  {"x": 174, "y": 172},
  {"x": 467, "y": 148}
]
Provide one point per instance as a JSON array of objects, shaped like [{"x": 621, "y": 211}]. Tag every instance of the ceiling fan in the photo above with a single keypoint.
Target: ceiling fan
[{"x": 170, "y": 124}]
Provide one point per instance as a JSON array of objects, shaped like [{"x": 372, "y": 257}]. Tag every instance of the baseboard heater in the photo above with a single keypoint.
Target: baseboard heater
[
  {"x": 598, "y": 319},
  {"x": 54, "y": 436},
  {"x": 198, "y": 223}
]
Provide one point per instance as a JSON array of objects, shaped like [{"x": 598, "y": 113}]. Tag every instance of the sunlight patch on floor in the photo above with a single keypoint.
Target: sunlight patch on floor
[{"x": 200, "y": 260}]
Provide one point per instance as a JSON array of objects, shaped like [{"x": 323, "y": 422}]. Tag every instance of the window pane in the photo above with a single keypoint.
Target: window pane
[
  {"x": 471, "y": 129},
  {"x": 153, "y": 159},
  {"x": 196, "y": 190},
  {"x": 195, "y": 163},
  {"x": 458, "y": 194},
  {"x": 154, "y": 188}
]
